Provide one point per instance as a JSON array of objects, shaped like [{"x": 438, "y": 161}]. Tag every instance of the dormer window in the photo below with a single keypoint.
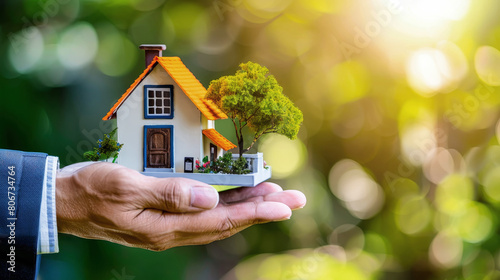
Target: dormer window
[{"x": 158, "y": 101}]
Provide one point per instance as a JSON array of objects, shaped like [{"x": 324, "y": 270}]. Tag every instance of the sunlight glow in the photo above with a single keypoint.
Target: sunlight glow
[
  {"x": 433, "y": 70},
  {"x": 426, "y": 70},
  {"x": 430, "y": 13},
  {"x": 430, "y": 18},
  {"x": 285, "y": 156}
]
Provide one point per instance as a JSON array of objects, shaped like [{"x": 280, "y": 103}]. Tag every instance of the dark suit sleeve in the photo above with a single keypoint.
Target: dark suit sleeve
[{"x": 21, "y": 184}]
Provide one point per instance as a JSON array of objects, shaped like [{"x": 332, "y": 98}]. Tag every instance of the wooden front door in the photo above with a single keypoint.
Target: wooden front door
[{"x": 158, "y": 148}]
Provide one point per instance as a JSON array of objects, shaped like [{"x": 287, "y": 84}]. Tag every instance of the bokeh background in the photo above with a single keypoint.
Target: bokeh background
[{"x": 398, "y": 154}]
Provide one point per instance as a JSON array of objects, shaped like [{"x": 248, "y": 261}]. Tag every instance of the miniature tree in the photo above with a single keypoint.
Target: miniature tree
[{"x": 253, "y": 98}]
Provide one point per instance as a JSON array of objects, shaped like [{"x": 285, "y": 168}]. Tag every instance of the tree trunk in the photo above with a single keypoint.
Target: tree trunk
[
  {"x": 240, "y": 145},
  {"x": 240, "y": 139}
]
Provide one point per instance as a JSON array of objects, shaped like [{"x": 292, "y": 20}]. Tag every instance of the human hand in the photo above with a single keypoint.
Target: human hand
[{"x": 111, "y": 202}]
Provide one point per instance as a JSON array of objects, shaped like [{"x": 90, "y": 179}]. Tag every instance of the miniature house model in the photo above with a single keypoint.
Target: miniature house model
[{"x": 165, "y": 123}]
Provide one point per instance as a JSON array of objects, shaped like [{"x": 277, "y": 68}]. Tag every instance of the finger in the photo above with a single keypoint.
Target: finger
[
  {"x": 229, "y": 217},
  {"x": 218, "y": 223},
  {"x": 179, "y": 195},
  {"x": 291, "y": 198},
  {"x": 248, "y": 192},
  {"x": 221, "y": 223}
]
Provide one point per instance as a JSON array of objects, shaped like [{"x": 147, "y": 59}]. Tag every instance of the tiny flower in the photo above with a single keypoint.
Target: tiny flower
[
  {"x": 197, "y": 162},
  {"x": 100, "y": 140},
  {"x": 100, "y": 146}
]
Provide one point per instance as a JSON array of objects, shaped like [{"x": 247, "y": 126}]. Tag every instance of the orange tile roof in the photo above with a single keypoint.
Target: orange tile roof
[
  {"x": 194, "y": 90},
  {"x": 218, "y": 139}
]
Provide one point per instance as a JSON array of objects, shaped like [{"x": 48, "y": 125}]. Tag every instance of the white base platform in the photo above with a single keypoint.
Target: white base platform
[{"x": 243, "y": 180}]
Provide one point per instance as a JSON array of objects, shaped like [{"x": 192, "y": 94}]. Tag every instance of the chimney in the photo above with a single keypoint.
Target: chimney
[{"x": 152, "y": 51}]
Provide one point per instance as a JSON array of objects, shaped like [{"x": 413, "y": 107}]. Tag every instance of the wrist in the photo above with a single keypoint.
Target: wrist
[{"x": 63, "y": 211}]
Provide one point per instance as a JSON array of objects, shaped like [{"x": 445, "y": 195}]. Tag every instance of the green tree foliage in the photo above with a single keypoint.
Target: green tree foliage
[{"x": 254, "y": 98}]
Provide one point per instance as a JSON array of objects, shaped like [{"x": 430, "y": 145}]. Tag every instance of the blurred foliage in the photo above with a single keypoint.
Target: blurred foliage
[{"x": 399, "y": 154}]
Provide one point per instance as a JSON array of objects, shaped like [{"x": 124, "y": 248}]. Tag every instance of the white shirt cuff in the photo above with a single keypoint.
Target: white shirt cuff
[{"x": 47, "y": 236}]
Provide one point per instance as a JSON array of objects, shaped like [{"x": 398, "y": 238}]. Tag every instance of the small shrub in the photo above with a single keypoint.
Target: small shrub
[
  {"x": 106, "y": 148},
  {"x": 224, "y": 164},
  {"x": 240, "y": 166}
]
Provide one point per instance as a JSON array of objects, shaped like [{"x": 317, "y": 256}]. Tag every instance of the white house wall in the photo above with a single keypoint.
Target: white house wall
[
  {"x": 187, "y": 135},
  {"x": 206, "y": 123}
]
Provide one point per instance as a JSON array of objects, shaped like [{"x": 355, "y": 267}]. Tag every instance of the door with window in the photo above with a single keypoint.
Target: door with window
[
  {"x": 158, "y": 148},
  {"x": 213, "y": 152}
]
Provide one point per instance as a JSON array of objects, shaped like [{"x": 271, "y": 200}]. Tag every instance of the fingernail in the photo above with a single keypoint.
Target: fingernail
[{"x": 204, "y": 197}]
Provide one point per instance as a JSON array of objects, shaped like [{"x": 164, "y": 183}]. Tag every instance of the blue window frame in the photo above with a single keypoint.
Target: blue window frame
[
  {"x": 159, "y": 101},
  {"x": 170, "y": 145}
]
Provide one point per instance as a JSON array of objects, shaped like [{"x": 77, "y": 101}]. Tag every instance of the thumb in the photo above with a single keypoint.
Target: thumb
[{"x": 180, "y": 195}]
